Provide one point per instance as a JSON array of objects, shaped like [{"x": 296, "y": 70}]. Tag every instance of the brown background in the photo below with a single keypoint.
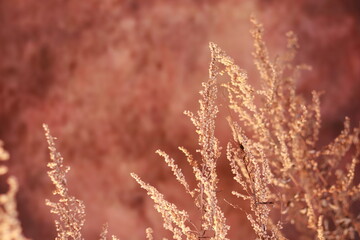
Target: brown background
[{"x": 112, "y": 78}]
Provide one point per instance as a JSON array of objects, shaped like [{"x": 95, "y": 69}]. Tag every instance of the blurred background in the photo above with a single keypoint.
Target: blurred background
[{"x": 112, "y": 78}]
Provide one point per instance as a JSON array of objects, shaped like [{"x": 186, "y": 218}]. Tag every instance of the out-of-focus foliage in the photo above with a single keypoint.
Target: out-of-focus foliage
[{"x": 10, "y": 227}]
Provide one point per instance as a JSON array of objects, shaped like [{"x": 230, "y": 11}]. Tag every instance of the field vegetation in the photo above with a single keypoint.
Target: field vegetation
[{"x": 281, "y": 172}]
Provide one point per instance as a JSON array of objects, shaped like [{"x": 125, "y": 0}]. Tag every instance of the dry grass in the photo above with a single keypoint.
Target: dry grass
[{"x": 274, "y": 157}]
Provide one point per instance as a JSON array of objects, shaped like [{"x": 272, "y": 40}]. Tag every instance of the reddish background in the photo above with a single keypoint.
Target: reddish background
[{"x": 112, "y": 78}]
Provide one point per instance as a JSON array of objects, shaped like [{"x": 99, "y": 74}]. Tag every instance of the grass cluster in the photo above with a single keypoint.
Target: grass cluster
[{"x": 274, "y": 157}]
